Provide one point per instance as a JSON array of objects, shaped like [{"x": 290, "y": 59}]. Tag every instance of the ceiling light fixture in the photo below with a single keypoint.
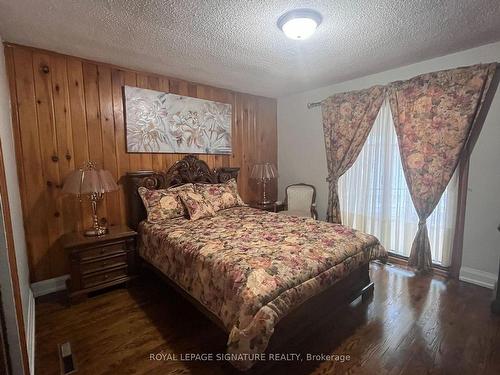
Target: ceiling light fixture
[{"x": 299, "y": 24}]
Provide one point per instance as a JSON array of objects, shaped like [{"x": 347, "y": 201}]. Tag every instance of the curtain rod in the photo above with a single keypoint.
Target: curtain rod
[{"x": 313, "y": 105}]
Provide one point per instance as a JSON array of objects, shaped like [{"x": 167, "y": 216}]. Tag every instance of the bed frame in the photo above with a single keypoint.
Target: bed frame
[{"x": 193, "y": 170}]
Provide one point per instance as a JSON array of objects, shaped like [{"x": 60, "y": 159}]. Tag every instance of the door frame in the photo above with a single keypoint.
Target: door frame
[{"x": 12, "y": 264}]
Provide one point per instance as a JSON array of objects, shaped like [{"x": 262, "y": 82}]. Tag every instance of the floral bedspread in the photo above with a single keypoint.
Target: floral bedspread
[{"x": 250, "y": 267}]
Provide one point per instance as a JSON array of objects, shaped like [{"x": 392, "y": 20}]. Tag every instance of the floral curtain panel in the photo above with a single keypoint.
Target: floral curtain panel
[
  {"x": 433, "y": 115},
  {"x": 347, "y": 120},
  {"x": 381, "y": 204}
]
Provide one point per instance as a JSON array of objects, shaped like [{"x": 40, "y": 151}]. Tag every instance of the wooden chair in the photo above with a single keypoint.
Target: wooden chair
[{"x": 300, "y": 200}]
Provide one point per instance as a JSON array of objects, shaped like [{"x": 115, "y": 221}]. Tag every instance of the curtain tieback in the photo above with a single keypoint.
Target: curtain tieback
[
  {"x": 331, "y": 178},
  {"x": 422, "y": 222}
]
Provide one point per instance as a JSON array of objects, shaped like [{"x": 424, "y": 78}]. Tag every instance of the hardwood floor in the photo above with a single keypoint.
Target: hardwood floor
[{"x": 413, "y": 325}]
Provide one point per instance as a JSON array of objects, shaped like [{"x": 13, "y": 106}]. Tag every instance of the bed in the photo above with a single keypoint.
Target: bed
[{"x": 250, "y": 270}]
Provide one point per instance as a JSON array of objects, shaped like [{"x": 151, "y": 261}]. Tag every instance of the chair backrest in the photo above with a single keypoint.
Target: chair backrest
[{"x": 300, "y": 197}]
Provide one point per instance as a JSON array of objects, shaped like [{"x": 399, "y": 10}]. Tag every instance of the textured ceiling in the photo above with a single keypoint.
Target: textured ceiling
[{"x": 235, "y": 44}]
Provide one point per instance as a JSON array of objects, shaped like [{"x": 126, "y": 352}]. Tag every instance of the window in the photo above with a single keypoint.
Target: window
[{"x": 374, "y": 197}]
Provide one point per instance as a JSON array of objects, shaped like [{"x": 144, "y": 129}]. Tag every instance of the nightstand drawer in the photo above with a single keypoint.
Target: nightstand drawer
[
  {"x": 103, "y": 277},
  {"x": 116, "y": 248},
  {"x": 100, "y": 264}
]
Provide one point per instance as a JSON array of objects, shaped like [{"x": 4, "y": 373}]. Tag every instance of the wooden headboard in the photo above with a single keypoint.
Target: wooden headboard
[{"x": 188, "y": 170}]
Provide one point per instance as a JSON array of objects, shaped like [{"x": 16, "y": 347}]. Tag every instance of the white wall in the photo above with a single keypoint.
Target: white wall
[
  {"x": 301, "y": 154},
  {"x": 14, "y": 203}
]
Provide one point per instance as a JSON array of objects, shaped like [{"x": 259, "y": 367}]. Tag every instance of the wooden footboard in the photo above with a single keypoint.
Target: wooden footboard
[
  {"x": 145, "y": 265},
  {"x": 356, "y": 284},
  {"x": 305, "y": 316}
]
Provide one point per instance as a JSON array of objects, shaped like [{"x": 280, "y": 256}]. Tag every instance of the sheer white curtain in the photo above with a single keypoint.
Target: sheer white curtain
[{"x": 374, "y": 197}]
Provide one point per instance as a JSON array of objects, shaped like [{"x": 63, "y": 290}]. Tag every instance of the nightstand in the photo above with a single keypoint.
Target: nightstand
[{"x": 99, "y": 262}]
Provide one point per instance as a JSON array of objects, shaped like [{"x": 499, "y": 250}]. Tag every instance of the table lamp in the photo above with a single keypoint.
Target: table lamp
[
  {"x": 263, "y": 173},
  {"x": 92, "y": 182}
]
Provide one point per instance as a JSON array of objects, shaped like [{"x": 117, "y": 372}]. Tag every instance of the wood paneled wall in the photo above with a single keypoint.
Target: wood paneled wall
[{"x": 68, "y": 110}]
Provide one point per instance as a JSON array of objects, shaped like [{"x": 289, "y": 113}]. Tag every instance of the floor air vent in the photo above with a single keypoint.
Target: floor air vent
[{"x": 66, "y": 359}]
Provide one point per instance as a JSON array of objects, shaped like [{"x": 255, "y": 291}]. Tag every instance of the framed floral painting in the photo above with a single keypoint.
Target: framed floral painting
[{"x": 158, "y": 122}]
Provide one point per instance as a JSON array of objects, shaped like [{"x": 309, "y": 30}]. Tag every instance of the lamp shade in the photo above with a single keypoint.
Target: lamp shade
[
  {"x": 89, "y": 180},
  {"x": 264, "y": 171}
]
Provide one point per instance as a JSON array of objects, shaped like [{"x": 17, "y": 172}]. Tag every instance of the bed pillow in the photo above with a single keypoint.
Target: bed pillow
[
  {"x": 221, "y": 196},
  {"x": 197, "y": 206},
  {"x": 163, "y": 204}
]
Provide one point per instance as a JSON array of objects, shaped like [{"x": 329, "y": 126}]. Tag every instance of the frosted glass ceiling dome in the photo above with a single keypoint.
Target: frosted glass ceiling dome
[{"x": 299, "y": 24}]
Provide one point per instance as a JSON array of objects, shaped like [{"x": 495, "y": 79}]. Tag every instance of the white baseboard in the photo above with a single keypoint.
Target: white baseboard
[
  {"x": 30, "y": 333},
  {"x": 481, "y": 278},
  {"x": 44, "y": 287}
]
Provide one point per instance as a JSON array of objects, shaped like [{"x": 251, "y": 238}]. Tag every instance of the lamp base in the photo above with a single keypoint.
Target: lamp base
[{"x": 95, "y": 232}]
